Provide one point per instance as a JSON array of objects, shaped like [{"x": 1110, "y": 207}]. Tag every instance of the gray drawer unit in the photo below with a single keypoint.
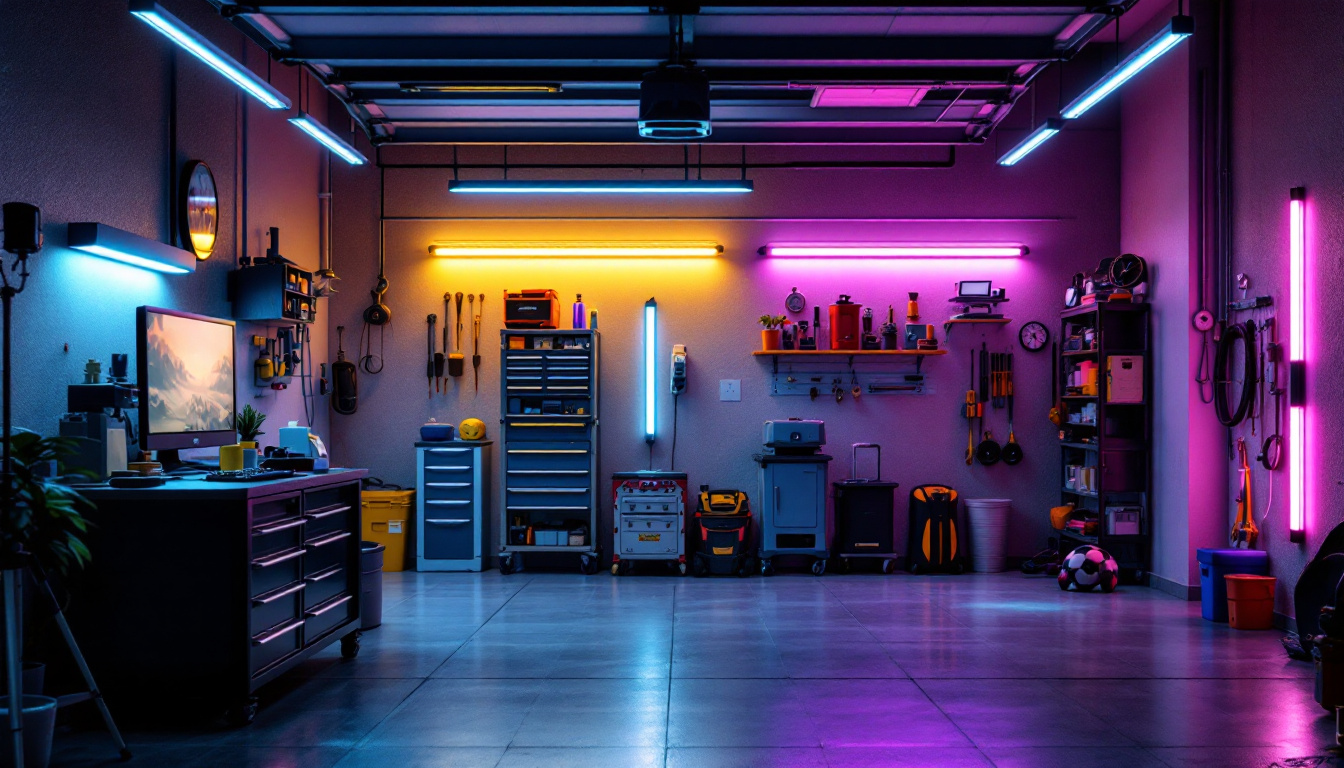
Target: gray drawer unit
[
  {"x": 549, "y": 430},
  {"x": 452, "y": 502}
]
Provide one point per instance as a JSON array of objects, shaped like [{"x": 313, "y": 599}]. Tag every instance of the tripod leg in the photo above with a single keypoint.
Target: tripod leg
[
  {"x": 44, "y": 590},
  {"x": 10, "y": 595}
]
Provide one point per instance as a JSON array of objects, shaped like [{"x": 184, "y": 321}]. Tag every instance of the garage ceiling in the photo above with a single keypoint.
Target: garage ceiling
[{"x": 936, "y": 72}]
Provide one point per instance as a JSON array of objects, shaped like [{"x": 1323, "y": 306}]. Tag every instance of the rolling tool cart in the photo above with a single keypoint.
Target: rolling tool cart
[
  {"x": 649, "y": 522},
  {"x": 865, "y": 515},
  {"x": 792, "y": 479},
  {"x": 722, "y": 534},
  {"x": 549, "y": 406}
]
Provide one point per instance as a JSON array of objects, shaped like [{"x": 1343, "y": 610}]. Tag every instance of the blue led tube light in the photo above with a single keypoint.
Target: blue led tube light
[
  {"x": 650, "y": 369},
  {"x": 1035, "y": 139},
  {"x": 129, "y": 248},
  {"x": 192, "y": 42},
  {"x": 586, "y": 187},
  {"x": 324, "y": 135},
  {"x": 1179, "y": 28}
]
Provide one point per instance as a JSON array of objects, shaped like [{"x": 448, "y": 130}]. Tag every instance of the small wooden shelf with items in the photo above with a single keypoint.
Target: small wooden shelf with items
[{"x": 1104, "y": 376}]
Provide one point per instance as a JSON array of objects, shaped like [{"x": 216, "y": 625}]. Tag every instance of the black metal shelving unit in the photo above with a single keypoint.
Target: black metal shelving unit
[{"x": 1117, "y": 440}]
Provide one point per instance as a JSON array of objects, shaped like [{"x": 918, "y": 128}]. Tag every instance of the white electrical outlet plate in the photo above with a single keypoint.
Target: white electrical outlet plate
[{"x": 730, "y": 390}]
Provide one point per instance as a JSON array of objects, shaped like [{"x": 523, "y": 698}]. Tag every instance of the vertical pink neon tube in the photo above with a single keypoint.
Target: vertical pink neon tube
[{"x": 1297, "y": 355}]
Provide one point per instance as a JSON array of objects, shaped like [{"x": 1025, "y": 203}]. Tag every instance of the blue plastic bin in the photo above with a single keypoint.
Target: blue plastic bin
[{"x": 1214, "y": 565}]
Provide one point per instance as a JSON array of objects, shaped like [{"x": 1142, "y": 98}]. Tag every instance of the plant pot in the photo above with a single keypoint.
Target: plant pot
[
  {"x": 770, "y": 339},
  {"x": 39, "y": 723}
]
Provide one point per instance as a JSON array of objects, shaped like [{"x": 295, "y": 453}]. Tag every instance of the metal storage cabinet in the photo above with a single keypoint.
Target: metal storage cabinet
[
  {"x": 549, "y": 427},
  {"x": 452, "y": 508},
  {"x": 793, "y": 508}
]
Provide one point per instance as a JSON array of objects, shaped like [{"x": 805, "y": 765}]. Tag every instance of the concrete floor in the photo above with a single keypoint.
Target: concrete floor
[{"x": 864, "y": 670}]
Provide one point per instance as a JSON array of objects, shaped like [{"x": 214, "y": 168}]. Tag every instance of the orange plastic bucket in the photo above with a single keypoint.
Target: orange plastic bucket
[{"x": 1250, "y": 601}]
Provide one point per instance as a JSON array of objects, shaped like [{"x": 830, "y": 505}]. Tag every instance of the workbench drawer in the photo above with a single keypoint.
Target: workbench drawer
[
  {"x": 449, "y": 534},
  {"x": 321, "y": 619},
  {"x": 274, "y": 571},
  {"x": 277, "y": 535},
  {"x": 272, "y": 509},
  {"x": 337, "y": 516},
  {"x": 327, "y": 550},
  {"x": 326, "y": 498},
  {"x": 325, "y": 584},
  {"x": 274, "y": 644},
  {"x": 276, "y": 606},
  {"x": 548, "y": 455}
]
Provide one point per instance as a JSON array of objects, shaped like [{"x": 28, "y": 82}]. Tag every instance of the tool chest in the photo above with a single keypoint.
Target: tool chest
[
  {"x": 549, "y": 431},
  {"x": 649, "y": 519},
  {"x": 452, "y": 482}
]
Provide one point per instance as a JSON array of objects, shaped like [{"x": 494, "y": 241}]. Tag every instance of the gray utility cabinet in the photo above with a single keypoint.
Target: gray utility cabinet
[
  {"x": 452, "y": 505},
  {"x": 549, "y": 428},
  {"x": 793, "y": 507}
]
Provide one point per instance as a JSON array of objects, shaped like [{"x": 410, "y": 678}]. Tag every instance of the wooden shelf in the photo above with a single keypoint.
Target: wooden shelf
[
  {"x": 848, "y": 352},
  {"x": 989, "y": 320}
]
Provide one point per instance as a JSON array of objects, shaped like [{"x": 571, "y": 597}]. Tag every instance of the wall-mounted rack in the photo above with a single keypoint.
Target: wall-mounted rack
[
  {"x": 947, "y": 324},
  {"x": 836, "y": 372}
]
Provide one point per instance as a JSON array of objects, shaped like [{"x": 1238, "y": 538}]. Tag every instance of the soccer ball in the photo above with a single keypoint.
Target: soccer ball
[{"x": 1088, "y": 567}]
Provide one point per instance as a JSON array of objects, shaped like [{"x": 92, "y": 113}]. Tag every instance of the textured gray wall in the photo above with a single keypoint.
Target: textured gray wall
[
  {"x": 85, "y": 92},
  {"x": 712, "y": 306}
]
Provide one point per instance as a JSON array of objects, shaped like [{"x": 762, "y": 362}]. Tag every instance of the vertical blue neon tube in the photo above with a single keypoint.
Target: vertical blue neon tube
[{"x": 650, "y": 369}]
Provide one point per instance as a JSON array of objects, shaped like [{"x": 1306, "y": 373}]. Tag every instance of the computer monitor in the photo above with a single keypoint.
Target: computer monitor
[{"x": 186, "y": 379}]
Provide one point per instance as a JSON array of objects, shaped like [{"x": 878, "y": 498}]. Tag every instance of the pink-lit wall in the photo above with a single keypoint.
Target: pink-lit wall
[
  {"x": 1061, "y": 203},
  {"x": 85, "y": 103},
  {"x": 1288, "y": 130}
]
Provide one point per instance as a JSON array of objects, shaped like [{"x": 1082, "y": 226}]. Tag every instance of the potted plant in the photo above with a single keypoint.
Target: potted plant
[
  {"x": 45, "y": 524},
  {"x": 771, "y": 331},
  {"x": 248, "y": 423}
]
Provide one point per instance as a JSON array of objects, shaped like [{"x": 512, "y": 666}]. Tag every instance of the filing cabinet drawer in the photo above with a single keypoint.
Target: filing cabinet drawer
[
  {"x": 275, "y": 644},
  {"x": 274, "y": 571},
  {"x": 321, "y": 619},
  {"x": 326, "y": 584},
  {"x": 275, "y": 607},
  {"x": 449, "y": 535}
]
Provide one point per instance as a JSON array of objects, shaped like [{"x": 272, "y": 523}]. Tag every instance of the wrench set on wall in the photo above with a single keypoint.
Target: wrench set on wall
[
  {"x": 448, "y": 362},
  {"x": 995, "y": 390}
]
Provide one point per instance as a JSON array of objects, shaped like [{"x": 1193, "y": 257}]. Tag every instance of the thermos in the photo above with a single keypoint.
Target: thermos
[
  {"x": 845, "y": 316},
  {"x": 580, "y": 317}
]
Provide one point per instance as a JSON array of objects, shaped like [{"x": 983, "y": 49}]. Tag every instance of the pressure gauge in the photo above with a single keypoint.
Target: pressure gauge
[{"x": 795, "y": 302}]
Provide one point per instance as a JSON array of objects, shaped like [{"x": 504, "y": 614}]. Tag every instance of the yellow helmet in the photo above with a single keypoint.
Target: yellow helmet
[{"x": 471, "y": 429}]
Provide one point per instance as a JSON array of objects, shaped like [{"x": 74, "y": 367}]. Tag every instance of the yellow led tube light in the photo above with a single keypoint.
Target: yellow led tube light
[{"x": 578, "y": 250}]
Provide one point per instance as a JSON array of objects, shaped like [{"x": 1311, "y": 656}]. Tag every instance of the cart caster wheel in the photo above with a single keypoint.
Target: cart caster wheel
[
  {"x": 587, "y": 564},
  {"x": 959, "y": 568},
  {"x": 743, "y": 569},
  {"x": 350, "y": 646},
  {"x": 681, "y": 568},
  {"x": 615, "y": 569},
  {"x": 242, "y": 714},
  {"x": 889, "y": 566},
  {"x": 505, "y": 565},
  {"x": 914, "y": 568},
  {"x": 818, "y": 567},
  {"x": 842, "y": 565},
  {"x": 767, "y": 568},
  {"x": 699, "y": 567},
  {"x": 124, "y": 755}
]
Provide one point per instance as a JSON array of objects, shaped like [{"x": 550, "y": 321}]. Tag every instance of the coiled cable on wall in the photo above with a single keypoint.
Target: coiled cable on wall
[{"x": 1242, "y": 334}]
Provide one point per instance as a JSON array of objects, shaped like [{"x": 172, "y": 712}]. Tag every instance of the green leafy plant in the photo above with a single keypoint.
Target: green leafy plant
[
  {"x": 248, "y": 423},
  {"x": 771, "y": 322},
  {"x": 47, "y": 520}
]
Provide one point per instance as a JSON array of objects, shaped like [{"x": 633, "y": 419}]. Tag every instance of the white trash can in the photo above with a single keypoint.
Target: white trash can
[{"x": 989, "y": 534}]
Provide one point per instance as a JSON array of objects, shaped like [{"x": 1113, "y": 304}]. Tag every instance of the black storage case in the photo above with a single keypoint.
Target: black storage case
[{"x": 865, "y": 515}]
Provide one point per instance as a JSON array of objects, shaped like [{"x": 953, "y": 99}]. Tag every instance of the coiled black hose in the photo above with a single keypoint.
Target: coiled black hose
[{"x": 1243, "y": 334}]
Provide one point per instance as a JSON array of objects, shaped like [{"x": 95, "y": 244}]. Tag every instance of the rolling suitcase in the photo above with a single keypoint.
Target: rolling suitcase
[
  {"x": 935, "y": 542},
  {"x": 865, "y": 515}
]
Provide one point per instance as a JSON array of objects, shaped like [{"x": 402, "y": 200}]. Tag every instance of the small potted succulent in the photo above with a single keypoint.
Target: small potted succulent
[
  {"x": 248, "y": 423},
  {"x": 771, "y": 331}
]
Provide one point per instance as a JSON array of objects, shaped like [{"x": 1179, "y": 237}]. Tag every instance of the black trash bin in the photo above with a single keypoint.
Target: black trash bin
[{"x": 371, "y": 584}]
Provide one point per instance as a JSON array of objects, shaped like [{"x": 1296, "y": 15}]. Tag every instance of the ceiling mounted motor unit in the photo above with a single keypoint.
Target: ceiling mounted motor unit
[{"x": 674, "y": 104}]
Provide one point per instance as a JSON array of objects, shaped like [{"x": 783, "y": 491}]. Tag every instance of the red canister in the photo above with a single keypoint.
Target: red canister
[{"x": 845, "y": 324}]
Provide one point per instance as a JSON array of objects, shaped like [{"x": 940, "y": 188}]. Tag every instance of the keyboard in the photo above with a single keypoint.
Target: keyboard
[{"x": 249, "y": 475}]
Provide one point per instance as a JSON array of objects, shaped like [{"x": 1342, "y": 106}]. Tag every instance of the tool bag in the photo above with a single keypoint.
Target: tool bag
[
  {"x": 723, "y": 502},
  {"x": 935, "y": 542}
]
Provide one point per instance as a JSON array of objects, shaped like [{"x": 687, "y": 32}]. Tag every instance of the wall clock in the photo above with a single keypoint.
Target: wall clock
[
  {"x": 199, "y": 210},
  {"x": 795, "y": 302},
  {"x": 1033, "y": 336}
]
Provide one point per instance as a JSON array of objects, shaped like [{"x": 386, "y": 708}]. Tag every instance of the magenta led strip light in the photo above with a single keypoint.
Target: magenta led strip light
[
  {"x": 892, "y": 251},
  {"x": 1297, "y": 365}
]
